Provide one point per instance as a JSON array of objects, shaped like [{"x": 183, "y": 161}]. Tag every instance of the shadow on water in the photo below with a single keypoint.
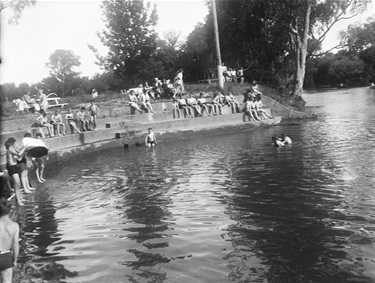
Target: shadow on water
[{"x": 38, "y": 233}]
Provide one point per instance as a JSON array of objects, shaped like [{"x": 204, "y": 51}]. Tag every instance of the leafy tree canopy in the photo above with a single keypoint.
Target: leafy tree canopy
[
  {"x": 17, "y": 6},
  {"x": 129, "y": 36}
]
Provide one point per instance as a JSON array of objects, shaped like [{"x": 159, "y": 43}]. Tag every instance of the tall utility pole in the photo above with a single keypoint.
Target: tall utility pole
[{"x": 218, "y": 54}]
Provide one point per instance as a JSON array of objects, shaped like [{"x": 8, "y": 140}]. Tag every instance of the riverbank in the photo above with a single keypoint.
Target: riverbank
[{"x": 117, "y": 127}]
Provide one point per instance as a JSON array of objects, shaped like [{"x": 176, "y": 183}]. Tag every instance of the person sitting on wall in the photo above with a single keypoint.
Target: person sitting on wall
[
  {"x": 183, "y": 106},
  {"x": 72, "y": 124},
  {"x": 144, "y": 99},
  {"x": 175, "y": 109},
  {"x": 57, "y": 123},
  {"x": 42, "y": 122},
  {"x": 231, "y": 102},
  {"x": 217, "y": 104},
  {"x": 133, "y": 102},
  {"x": 32, "y": 104},
  {"x": 83, "y": 123},
  {"x": 250, "y": 109},
  {"x": 192, "y": 102},
  {"x": 259, "y": 108},
  {"x": 205, "y": 106}
]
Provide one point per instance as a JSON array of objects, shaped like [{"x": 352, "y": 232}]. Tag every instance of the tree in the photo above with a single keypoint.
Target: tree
[
  {"x": 198, "y": 55},
  {"x": 17, "y": 6},
  {"x": 172, "y": 37},
  {"x": 290, "y": 32},
  {"x": 129, "y": 36},
  {"x": 360, "y": 38},
  {"x": 61, "y": 64}
]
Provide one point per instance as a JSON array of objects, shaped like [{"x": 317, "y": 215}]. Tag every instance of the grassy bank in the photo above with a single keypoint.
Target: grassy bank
[{"x": 111, "y": 99}]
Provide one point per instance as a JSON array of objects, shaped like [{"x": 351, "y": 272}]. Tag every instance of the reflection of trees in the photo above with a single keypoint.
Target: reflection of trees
[
  {"x": 281, "y": 233},
  {"x": 38, "y": 232},
  {"x": 146, "y": 204}
]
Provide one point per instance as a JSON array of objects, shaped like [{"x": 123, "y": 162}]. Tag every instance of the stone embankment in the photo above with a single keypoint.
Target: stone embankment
[{"x": 116, "y": 127}]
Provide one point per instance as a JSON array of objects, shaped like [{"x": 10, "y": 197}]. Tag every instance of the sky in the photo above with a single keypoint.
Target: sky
[{"x": 72, "y": 25}]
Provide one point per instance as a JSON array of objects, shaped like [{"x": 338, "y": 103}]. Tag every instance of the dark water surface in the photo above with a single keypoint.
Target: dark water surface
[{"x": 228, "y": 208}]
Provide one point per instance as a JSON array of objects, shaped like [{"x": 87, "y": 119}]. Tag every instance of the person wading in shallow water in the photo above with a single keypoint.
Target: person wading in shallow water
[{"x": 9, "y": 246}]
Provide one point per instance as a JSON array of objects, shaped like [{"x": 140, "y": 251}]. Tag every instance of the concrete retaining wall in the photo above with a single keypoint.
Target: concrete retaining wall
[{"x": 118, "y": 126}]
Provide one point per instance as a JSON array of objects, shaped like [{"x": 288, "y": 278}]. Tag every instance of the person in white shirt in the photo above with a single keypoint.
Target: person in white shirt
[{"x": 56, "y": 121}]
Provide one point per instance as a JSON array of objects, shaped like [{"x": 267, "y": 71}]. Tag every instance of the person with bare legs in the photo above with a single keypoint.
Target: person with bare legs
[
  {"x": 175, "y": 109},
  {"x": 133, "y": 101},
  {"x": 183, "y": 106},
  {"x": 38, "y": 163},
  {"x": 260, "y": 110},
  {"x": 248, "y": 111},
  {"x": 205, "y": 106},
  {"x": 72, "y": 124},
  {"x": 192, "y": 102},
  {"x": 216, "y": 101},
  {"x": 9, "y": 244},
  {"x": 12, "y": 167}
]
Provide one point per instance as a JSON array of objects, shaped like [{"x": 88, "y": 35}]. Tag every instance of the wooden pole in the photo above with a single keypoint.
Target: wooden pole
[{"x": 218, "y": 54}]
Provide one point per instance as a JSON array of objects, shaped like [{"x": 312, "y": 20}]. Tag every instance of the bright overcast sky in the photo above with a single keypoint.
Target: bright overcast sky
[{"x": 72, "y": 25}]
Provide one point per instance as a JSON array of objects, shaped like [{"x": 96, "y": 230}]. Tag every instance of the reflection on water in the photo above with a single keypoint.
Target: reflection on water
[{"x": 216, "y": 208}]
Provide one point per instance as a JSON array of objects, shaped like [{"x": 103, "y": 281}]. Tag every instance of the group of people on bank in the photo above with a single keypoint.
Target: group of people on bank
[
  {"x": 82, "y": 121},
  {"x": 18, "y": 155}
]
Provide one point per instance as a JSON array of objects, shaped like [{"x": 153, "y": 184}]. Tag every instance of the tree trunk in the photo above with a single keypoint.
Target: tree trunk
[{"x": 300, "y": 58}]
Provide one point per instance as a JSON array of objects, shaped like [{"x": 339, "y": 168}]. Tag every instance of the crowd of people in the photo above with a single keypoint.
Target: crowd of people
[
  {"x": 82, "y": 121},
  {"x": 18, "y": 155}
]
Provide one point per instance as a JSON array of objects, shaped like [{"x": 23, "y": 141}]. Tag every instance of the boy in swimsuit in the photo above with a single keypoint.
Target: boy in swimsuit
[
  {"x": 259, "y": 108},
  {"x": 9, "y": 246},
  {"x": 217, "y": 104},
  {"x": 23, "y": 169},
  {"x": 192, "y": 102},
  {"x": 83, "y": 123},
  {"x": 94, "y": 111},
  {"x": 183, "y": 105},
  {"x": 205, "y": 106},
  {"x": 150, "y": 138},
  {"x": 72, "y": 124},
  {"x": 42, "y": 121},
  {"x": 175, "y": 109},
  {"x": 56, "y": 121},
  {"x": 12, "y": 167}
]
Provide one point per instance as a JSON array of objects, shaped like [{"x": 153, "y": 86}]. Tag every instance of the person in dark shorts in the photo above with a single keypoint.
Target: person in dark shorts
[
  {"x": 12, "y": 167},
  {"x": 9, "y": 246},
  {"x": 150, "y": 138}
]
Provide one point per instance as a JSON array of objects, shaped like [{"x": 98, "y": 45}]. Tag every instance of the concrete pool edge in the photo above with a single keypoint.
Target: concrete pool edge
[{"x": 126, "y": 141}]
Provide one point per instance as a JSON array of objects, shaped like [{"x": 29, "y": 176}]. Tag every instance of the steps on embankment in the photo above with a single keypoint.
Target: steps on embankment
[{"x": 118, "y": 126}]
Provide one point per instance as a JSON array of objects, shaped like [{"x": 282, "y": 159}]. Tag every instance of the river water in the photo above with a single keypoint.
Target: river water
[{"x": 220, "y": 208}]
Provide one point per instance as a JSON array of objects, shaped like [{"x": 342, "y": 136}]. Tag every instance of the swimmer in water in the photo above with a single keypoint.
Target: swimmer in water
[
  {"x": 279, "y": 142},
  {"x": 150, "y": 138}
]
